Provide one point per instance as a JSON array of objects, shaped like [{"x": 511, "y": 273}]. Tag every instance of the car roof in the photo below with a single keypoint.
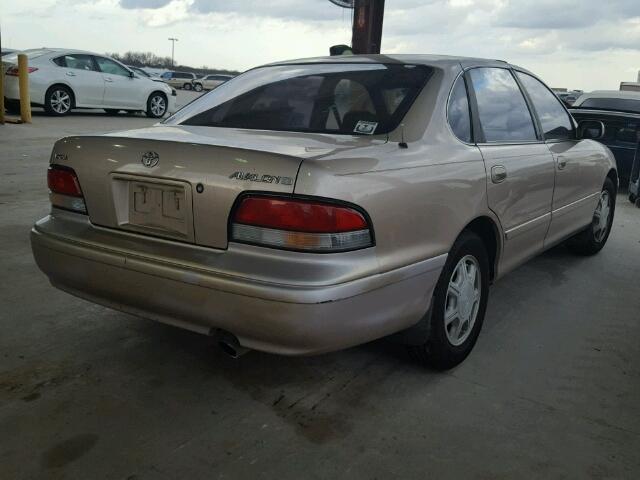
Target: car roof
[{"x": 432, "y": 60}]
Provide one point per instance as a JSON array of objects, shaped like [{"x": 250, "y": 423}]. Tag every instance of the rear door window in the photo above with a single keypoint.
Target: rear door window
[
  {"x": 77, "y": 62},
  {"x": 503, "y": 112},
  {"x": 458, "y": 111},
  {"x": 554, "y": 119}
]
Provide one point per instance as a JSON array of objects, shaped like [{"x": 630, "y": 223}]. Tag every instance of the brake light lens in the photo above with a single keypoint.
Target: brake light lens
[
  {"x": 65, "y": 189},
  {"x": 299, "y": 224},
  {"x": 13, "y": 71}
]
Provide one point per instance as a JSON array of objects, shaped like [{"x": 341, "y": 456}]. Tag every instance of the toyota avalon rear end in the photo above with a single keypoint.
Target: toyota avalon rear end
[{"x": 227, "y": 218}]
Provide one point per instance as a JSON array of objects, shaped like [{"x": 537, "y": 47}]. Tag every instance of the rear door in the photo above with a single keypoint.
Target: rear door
[
  {"x": 82, "y": 75},
  {"x": 520, "y": 170},
  {"x": 120, "y": 88},
  {"x": 578, "y": 179}
]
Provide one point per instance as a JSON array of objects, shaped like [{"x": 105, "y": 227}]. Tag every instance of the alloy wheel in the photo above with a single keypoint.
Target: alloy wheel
[
  {"x": 158, "y": 105},
  {"x": 463, "y": 300},
  {"x": 60, "y": 101},
  {"x": 601, "y": 216}
]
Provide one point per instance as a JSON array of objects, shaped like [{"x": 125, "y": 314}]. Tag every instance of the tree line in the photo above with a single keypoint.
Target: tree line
[{"x": 149, "y": 59}]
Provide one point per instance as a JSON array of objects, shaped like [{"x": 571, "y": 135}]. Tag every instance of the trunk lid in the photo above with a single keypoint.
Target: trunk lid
[{"x": 180, "y": 182}]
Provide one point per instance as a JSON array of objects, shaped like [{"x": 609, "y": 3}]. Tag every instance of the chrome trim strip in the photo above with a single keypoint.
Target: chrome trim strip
[
  {"x": 570, "y": 206},
  {"x": 526, "y": 226}
]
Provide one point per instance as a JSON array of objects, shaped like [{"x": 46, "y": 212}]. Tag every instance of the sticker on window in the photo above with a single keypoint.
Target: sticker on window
[{"x": 366, "y": 128}]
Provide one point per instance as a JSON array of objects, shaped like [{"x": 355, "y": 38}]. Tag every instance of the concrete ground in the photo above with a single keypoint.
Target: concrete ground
[{"x": 551, "y": 391}]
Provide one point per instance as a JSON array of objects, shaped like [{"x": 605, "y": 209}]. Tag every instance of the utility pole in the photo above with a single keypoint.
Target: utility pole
[
  {"x": 173, "y": 44},
  {"x": 367, "y": 26}
]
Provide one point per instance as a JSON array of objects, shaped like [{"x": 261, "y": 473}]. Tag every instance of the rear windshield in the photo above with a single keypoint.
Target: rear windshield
[
  {"x": 353, "y": 99},
  {"x": 623, "y": 104}
]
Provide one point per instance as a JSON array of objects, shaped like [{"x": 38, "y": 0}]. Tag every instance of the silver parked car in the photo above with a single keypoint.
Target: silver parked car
[{"x": 312, "y": 205}]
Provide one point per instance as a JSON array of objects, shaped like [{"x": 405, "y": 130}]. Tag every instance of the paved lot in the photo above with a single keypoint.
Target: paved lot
[{"x": 552, "y": 389}]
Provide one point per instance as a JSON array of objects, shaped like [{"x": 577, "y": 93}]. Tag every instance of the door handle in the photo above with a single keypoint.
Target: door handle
[
  {"x": 71, "y": 74},
  {"x": 498, "y": 173},
  {"x": 108, "y": 79},
  {"x": 562, "y": 162}
]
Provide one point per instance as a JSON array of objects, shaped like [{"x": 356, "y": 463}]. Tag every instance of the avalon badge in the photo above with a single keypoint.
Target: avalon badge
[{"x": 150, "y": 159}]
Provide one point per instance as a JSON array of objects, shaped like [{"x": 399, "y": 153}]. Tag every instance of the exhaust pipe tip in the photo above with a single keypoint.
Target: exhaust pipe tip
[{"x": 230, "y": 345}]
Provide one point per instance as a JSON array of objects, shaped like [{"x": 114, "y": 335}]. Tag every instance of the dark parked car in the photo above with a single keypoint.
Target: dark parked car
[{"x": 619, "y": 111}]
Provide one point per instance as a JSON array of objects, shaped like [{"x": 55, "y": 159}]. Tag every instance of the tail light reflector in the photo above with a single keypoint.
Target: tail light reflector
[
  {"x": 299, "y": 224},
  {"x": 65, "y": 189}
]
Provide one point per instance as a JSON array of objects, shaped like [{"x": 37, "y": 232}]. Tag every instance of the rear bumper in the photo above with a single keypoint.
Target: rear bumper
[{"x": 284, "y": 318}]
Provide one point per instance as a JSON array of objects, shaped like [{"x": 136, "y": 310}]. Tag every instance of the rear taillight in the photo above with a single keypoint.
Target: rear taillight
[
  {"x": 299, "y": 224},
  {"x": 13, "y": 71},
  {"x": 65, "y": 189}
]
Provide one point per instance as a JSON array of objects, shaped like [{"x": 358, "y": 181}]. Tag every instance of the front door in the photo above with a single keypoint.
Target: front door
[
  {"x": 121, "y": 90},
  {"x": 577, "y": 182},
  {"x": 520, "y": 168}
]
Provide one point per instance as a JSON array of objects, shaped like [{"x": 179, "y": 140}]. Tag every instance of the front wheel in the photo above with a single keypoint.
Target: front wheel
[
  {"x": 458, "y": 306},
  {"x": 197, "y": 87},
  {"x": 591, "y": 240},
  {"x": 156, "y": 105}
]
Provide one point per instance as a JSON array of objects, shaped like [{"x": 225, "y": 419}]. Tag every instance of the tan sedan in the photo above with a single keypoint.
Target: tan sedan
[{"x": 308, "y": 206}]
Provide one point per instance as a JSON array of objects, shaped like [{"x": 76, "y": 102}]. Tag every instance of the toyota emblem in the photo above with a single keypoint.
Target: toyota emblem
[{"x": 150, "y": 159}]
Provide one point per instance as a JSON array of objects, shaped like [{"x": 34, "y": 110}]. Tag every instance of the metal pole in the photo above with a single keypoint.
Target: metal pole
[
  {"x": 367, "y": 26},
  {"x": 173, "y": 44}
]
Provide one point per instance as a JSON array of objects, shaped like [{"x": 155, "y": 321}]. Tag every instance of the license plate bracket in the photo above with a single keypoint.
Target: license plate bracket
[{"x": 154, "y": 206}]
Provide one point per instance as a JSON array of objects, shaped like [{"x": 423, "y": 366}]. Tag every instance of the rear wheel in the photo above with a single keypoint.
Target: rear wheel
[
  {"x": 591, "y": 240},
  {"x": 187, "y": 86},
  {"x": 632, "y": 198},
  {"x": 58, "y": 100},
  {"x": 156, "y": 105},
  {"x": 458, "y": 306}
]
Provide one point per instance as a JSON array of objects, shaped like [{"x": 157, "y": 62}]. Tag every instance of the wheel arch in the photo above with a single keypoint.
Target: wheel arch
[
  {"x": 489, "y": 232},
  {"x": 613, "y": 175},
  {"x": 65, "y": 85}
]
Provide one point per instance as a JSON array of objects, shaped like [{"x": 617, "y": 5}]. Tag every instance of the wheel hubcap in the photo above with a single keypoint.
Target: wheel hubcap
[
  {"x": 158, "y": 106},
  {"x": 601, "y": 216},
  {"x": 60, "y": 101},
  {"x": 463, "y": 300}
]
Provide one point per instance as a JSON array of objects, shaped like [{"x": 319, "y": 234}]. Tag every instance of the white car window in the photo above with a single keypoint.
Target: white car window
[
  {"x": 77, "y": 62},
  {"x": 109, "y": 66}
]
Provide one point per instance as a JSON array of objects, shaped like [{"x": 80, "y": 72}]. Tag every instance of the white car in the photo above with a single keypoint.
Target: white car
[{"x": 62, "y": 80}]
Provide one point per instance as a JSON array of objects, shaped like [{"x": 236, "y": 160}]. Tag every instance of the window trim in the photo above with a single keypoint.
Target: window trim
[
  {"x": 573, "y": 135},
  {"x": 480, "y": 139}
]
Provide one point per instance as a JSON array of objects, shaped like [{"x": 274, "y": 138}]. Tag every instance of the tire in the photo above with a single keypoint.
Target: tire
[
  {"x": 12, "y": 106},
  {"x": 447, "y": 345},
  {"x": 632, "y": 198},
  {"x": 112, "y": 111},
  {"x": 591, "y": 240},
  {"x": 156, "y": 105},
  {"x": 58, "y": 100},
  {"x": 187, "y": 86},
  {"x": 197, "y": 87}
]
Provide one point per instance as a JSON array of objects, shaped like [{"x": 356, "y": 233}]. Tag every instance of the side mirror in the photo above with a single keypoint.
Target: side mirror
[
  {"x": 590, "y": 129},
  {"x": 131, "y": 74}
]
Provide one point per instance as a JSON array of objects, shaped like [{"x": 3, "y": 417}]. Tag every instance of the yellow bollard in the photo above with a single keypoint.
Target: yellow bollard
[
  {"x": 1, "y": 94},
  {"x": 23, "y": 81}
]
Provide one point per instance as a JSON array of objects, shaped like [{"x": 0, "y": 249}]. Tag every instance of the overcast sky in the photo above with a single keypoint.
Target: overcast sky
[{"x": 587, "y": 44}]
